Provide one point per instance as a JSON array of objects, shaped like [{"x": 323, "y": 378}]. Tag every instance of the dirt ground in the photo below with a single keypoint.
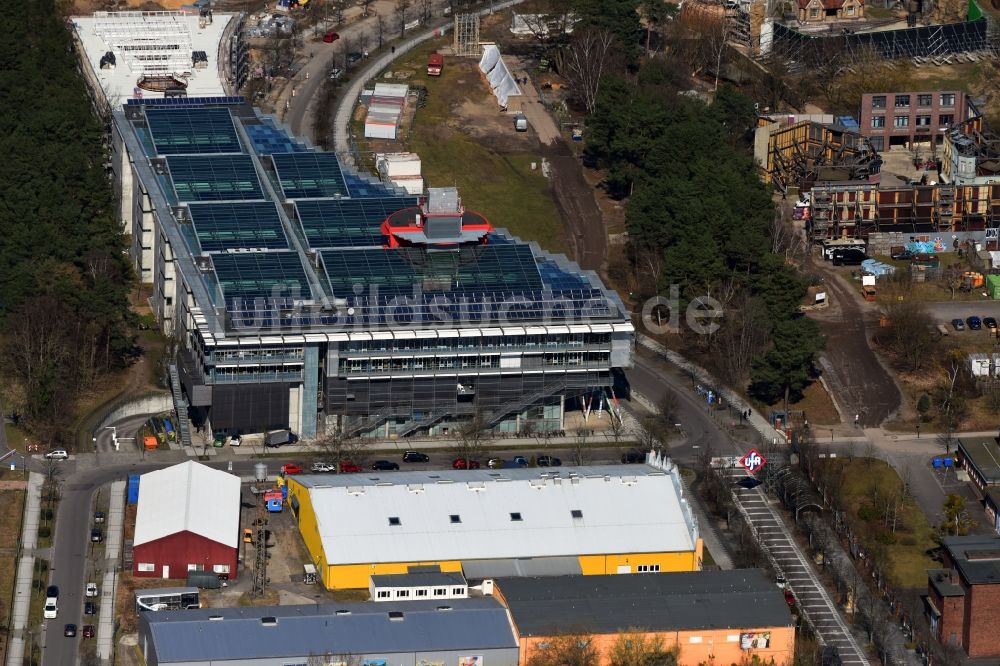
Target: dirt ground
[{"x": 860, "y": 383}]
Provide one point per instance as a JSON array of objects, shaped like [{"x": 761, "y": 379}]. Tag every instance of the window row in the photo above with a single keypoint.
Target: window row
[
  {"x": 919, "y": 121},
  {"x": 359, "y": 366},
  {"x": 489, "y": 342},
  {"x": 903, "y": 101},
  {"x": 438, "y": 592}
]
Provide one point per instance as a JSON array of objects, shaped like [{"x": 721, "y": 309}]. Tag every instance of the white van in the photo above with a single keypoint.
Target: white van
[{"x": 51, "y": 609}]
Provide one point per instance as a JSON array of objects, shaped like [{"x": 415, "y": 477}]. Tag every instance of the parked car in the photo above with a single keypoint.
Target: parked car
[
  {"x": 88, "y": 631},
  {"x": 69, "y": 630},
  {"x": 789, "y": 597},
  {"x": 384, "y": 466},
  {"x": 247, "y": 535},
  {"x": 990, "y": 323},
  {"x": 92, "y": 589},
  {"x": 51, "y": 610},
  {"x": 974, "y": 323},
  {"x": 347, "y": 467},
  {"x": 336, "y": 73},
  {"x": 57, "y": 454},
  {"x": 500, "y": 463},
  {"x": 51, "y": 592},
  {"x": 96, "y": 535},
  {"x": 291, "y": 468},
  {"x": 330, "y": 37},
  {"x": 519, "y": 461},
  {"x": 548, "y": 461},
  {"x": 780, "y": 581},
  {"x": 99, "y": 517},
  {"x": 633, "y": 456},
  {"x": 462, "y": 463},
  {"x": 322, "y": 467},
  {"x": 958, "y": 324},
  {"x": 415, "y": 457},
  {"x": 905, "y": 255},
  {"x": 354, "y": 56},
  {"x": 90, "y": 608},
  {"x": 848, "y": 257}
]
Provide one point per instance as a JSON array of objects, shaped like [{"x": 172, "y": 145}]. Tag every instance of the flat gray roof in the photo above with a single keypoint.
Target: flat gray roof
[
  {"x": 229, "y": 634},
  {"x": 984, "y": 455},
  {"x": 977, "y": 557},
  {"x": 419, "y": 579},
  {"x": 739, "y": 599}
]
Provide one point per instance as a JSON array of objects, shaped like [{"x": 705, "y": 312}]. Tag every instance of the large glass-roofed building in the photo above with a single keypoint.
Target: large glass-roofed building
[{"x": 306, "y": 295}]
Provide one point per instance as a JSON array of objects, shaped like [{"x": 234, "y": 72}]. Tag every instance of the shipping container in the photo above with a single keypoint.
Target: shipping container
[{"x": 133, "y": 488}]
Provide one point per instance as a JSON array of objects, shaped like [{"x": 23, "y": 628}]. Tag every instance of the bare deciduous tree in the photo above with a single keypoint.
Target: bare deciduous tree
[
  {"x": 401, "y": 9},
  {"x": 366, "y": 7},
  {"x": 473, "y": 438},
  {"x": 584, "y": 62},
  {"x": 337, "y": 449},
  {"x": 566, "y": 650},
  {"x": 425, "y": 10},
  {"x": 380, "y": 29}
]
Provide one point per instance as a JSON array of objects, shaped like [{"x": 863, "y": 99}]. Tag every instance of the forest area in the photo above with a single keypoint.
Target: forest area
[
  {"x": 64, "y": 274},
  {"x": 697, "y": 215}
]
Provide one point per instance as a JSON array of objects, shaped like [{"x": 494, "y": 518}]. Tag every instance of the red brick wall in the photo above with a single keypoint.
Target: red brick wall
[
  {"x": 952, "y": 615},
  {"x": 983, "y": 611}
]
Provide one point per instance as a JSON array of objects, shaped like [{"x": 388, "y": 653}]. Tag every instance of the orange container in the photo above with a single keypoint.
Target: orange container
[{"x": 149, "y": 442}]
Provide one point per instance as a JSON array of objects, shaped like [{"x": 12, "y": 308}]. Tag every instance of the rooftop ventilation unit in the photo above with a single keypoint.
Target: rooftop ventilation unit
[
  {"x": 269, "y": 621},
  {"x": 395, "y": 616}
]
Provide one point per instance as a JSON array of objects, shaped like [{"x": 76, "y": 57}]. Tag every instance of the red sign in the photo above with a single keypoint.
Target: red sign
[{"x": 753, "y": 461}]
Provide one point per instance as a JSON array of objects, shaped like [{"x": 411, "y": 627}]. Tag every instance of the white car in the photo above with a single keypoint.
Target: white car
[
  {"x": 91, "y": 589},
  {"x": 323, "y": 467},
  {"x": 51, "y": 610},
  {"x": 57, "y": 454}
]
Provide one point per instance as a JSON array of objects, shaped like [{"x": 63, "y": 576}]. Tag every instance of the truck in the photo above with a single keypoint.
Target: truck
[{"x": 435, "y": 63}]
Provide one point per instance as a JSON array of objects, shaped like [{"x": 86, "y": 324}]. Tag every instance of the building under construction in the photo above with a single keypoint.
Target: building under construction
[
  {"x": 795, "y": 152},
  {"x": 859, "y": 208}
]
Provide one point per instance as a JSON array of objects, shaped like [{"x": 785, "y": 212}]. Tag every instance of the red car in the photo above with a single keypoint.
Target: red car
[
  {"x": 461, "y": 463},
  {"x": 291, "y": 468},
  {"x": 88, "y": 631},
  {"x": 789, "y": 597},
  {"x": 347, "y": 467},
  {"x": 330, "y": 37}
]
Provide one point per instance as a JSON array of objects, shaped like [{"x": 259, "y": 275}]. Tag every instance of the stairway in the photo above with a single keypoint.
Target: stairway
[{"x": 181, "y": 407}]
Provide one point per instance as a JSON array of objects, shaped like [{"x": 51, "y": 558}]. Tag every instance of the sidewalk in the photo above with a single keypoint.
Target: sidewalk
[
  {"x": 112, "y": 553},
  {"x": 25, "y": 572}
]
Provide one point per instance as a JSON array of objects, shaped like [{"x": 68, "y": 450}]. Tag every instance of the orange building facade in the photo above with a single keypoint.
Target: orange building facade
[{"x": 720, "y": 617}]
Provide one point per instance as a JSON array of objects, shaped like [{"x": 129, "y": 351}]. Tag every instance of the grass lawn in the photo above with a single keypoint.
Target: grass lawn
[
  {"x": 906, "y": 550},
  {"x": 817, "y": 405},
  {"x": 493, "y": 175},
  {"x": 10, "y": 529}
]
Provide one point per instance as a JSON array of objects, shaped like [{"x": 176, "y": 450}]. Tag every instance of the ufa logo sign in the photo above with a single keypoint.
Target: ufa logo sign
[{"x": 753, "y": 461}]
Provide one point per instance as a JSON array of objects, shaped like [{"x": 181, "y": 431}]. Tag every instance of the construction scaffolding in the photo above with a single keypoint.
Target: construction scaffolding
[
  {"x": 148, "y": 42},
  {"x": 467, "y": 35},
  {"x": 802, "y": 153},
  {"x": 860, "y": 209}
]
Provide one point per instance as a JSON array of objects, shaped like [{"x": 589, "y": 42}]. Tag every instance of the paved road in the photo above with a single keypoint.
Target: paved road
[{"x": 949, "y": 310}]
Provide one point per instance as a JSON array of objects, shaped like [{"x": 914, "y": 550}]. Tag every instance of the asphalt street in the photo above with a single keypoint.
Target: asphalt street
[{"x": 949, "y": 310}]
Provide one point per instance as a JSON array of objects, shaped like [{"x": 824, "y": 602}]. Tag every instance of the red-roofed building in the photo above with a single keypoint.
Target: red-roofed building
[{"x": 817, "y": 11}]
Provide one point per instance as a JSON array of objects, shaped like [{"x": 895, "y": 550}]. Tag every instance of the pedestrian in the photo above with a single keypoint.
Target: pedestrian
[
  {"x": 307, "y": 76},
  {"x": 857, "y": 419}
]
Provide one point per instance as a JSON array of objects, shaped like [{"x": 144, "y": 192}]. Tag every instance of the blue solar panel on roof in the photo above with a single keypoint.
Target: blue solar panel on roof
[
  {"x": 214, "y": 177},
  {"x": 309, "y": 175},
  {"x": 481, "y": 270},
  {"x": 347, "y": 222},
  {"x": 225, "y": 226},
  {"x": 194, "y": 130},
  {"x": 185, "y": 101},
  {"x": 261, "y": 275}
]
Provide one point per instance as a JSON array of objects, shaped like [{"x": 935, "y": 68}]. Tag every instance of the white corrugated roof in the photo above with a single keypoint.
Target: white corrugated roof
[
  {"x": 188, "y": 497},
  {"x": 635, "y": 509}
]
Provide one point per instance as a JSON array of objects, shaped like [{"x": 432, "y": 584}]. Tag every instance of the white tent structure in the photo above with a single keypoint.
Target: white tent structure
[{"x": 501, "y": 82}]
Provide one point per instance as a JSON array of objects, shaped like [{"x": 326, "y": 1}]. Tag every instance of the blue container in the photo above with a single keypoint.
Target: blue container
[
  {"x": 133, "y": 488},
  {"x": 274, "y": 505}
]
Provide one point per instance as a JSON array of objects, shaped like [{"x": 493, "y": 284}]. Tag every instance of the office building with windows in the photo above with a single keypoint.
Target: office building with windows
[
  {"x": 306, "y": 295},
  {"x": 912, "y": 118}
]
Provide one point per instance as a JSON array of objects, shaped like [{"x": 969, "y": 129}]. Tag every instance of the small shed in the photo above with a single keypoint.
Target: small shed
[{"x": 419, "y": 585}]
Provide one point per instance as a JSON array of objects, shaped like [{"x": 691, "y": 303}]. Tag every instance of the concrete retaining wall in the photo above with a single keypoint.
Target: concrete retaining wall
[{"x": 150, "y": 404}]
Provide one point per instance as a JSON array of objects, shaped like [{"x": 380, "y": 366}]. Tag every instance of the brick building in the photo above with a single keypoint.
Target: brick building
[
  {"x": 818, "y": 11},
  {"x": 911, "y": 118},
  {"x": 963, "y": 597}
]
